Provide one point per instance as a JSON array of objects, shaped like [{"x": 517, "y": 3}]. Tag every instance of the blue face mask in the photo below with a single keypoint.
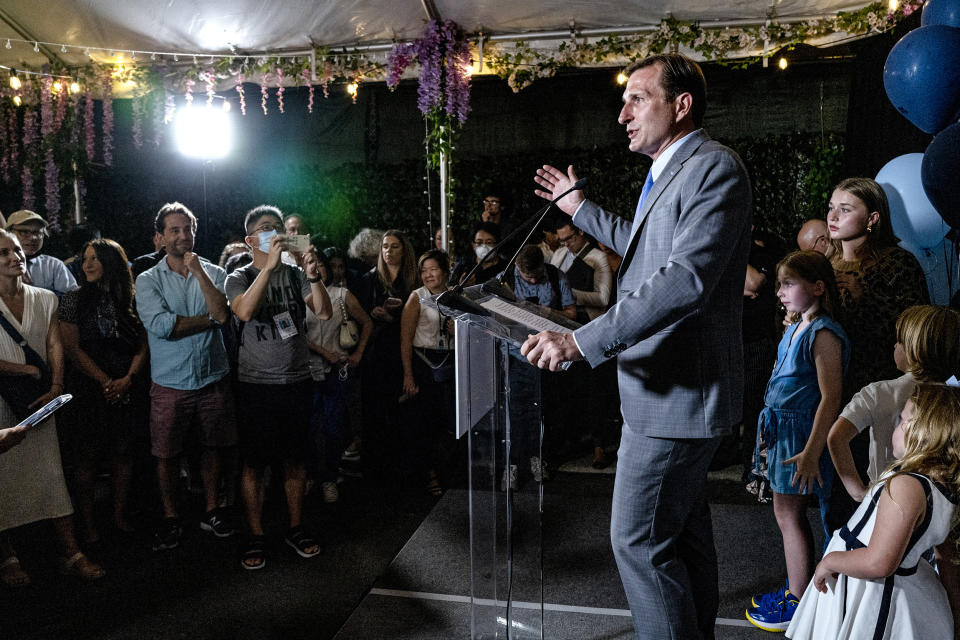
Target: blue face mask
[{"x": 265, "y": 240}]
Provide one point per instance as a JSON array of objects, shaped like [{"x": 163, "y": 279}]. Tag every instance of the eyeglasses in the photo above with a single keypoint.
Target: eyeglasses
[
  {"x": 490, "y": 201},
  {"x": 266, "y": 227},
  {"x": 567, "y": 239},
  {"x": 27, "y": 233}
]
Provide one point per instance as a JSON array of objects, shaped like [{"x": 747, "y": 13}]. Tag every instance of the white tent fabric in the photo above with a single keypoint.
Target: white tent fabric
[{"x": 212, "y": 27}]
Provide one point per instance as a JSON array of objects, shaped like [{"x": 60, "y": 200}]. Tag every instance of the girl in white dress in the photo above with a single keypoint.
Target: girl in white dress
[{"x": 874, "y": 581}]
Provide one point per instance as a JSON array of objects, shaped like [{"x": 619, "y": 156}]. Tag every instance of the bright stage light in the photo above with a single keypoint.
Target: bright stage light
[{"x": 203, "y": 132}]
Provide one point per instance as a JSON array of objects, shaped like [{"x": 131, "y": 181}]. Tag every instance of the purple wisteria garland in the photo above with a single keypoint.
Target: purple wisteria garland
[
  {"x": 89, "y": 126},
  {"x": 52, "y": 193},
  {"x": 243, "y": 102},
  {"x": 29, "y": 141},
  {"x": 443, "y": 89},
  {"x": 108, "y": 121}
]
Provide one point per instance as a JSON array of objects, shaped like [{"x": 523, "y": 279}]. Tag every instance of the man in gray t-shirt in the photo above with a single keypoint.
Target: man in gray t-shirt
[{"x": 274, "y": 388}]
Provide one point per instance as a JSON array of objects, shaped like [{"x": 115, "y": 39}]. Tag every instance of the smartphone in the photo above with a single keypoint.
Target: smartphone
[
  {"x": 298, "y": 243},
  {"x": 44, "y": 412}
]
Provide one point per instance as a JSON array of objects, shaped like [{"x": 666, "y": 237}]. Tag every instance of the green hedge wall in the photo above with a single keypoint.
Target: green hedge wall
[{"x": 792, "y": 177}]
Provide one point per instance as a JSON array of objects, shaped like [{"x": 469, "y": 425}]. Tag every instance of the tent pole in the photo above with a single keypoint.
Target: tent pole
[{"x": 444, "y": 178}]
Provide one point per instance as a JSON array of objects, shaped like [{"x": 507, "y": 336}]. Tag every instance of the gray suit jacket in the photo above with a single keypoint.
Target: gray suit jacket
[{"x": 676, "y": 327}]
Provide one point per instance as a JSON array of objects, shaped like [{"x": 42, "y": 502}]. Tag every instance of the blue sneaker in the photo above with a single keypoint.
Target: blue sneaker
[
  {"x": 775, "y": 617},
  {"x": 769, "y": 599}
]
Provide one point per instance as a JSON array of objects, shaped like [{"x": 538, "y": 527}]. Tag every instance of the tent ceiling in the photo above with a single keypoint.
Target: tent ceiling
[{"x": 257, "y": 26}]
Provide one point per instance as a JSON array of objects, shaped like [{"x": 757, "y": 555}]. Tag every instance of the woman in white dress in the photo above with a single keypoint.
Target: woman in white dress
[
  {"x": 874, "y": 581},
  {"x": 31, "y": 476}
]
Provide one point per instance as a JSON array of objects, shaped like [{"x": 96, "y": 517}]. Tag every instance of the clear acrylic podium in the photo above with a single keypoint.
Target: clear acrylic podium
[{"x": 499, "y": 409}]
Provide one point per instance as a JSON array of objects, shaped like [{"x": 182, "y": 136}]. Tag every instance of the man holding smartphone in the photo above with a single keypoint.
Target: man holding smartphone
[{"x": 274, "y": 387}]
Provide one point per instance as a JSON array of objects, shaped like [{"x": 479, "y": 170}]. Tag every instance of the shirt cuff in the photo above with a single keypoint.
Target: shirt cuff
[
  {"x": 573, "y": 217},
  {"x": 574, "y": 336}
]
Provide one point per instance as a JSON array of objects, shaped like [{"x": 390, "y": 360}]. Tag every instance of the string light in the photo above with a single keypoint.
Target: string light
[
  {"x": 17, "y": 101},
  {"x": 57, "y": 86},
  {"x": 63, "y": 48},
  {"x": 893, "y": 5},
  {"x": 782, "y": 64},
  {"x": 352, "y": 88},
  {"x": 15, "y": 83},
  {"x": 8, "y": 43},
  {"x": 153, "y": 56},
  {"x": 86, "y": 52},
  {"x": 74, "y": 87},
  {"x": 36, "y": 47},
  {"x": 621, "y": 78},
  {"x": 226, "y": 106}
]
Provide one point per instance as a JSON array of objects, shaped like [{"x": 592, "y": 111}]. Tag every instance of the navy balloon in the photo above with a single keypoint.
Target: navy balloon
[
  {"x": 940, "y": 174},
  {"x": 922, "y": 76},
  {"x": 944, "y": 12}
]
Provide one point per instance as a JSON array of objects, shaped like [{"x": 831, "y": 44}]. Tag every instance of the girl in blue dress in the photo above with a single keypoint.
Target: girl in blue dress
[{"x": 803, "y": 399}]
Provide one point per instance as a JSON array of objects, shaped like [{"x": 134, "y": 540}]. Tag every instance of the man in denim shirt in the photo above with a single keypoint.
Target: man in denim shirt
[{"x": 181, "y": 303}]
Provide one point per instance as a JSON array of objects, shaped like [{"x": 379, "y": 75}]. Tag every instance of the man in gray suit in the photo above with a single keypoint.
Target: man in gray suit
[{"x": 675, "y": 332}]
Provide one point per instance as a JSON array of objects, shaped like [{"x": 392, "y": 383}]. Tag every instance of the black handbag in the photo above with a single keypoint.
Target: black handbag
[{"x": 21, "y": 391}]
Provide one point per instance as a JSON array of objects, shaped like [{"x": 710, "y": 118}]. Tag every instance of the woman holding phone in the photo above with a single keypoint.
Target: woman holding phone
[
  {"x": 31, "y": 476},
  {"x": 384, "y": 290}
]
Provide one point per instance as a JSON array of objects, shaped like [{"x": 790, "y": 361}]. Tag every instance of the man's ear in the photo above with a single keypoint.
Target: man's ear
[{"x": 683, "y": 106}]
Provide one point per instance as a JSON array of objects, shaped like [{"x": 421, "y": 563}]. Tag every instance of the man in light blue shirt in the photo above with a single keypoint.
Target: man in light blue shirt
[{"x": 182, "y": 305}]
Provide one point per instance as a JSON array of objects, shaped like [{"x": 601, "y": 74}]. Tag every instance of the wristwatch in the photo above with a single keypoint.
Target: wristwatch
[{"x": 214, "y": 323}]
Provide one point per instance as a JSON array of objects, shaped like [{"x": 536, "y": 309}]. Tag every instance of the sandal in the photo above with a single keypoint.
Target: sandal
[
  {"x": 80, "y": 566},
  {"x": 12, "y": 575},
  {"x": 255, "y": 551},
  {"x": 301, "y": 542}
]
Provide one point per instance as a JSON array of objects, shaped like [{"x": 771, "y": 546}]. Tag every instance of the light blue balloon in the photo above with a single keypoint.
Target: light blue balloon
[{"x": 915, "y": 220}]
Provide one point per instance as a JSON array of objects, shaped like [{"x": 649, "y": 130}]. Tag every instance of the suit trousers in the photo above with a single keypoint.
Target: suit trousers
[{"x": 662, "y": 535}]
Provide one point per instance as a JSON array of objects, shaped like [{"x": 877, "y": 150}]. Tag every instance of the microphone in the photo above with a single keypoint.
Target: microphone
[
  {"x": 498, "y": 286},
  {"x": 453, "y": 298},
  {"x": 538, "y": 217}
]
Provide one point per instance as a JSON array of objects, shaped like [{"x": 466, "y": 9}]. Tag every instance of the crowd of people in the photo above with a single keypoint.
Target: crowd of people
[{"x": 301, "y": 360}]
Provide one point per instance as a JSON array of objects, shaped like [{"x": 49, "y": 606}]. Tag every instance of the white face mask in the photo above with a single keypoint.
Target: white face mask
[
  {"x": 482, "y": 251},
  {"x": 264, "y": 239}
]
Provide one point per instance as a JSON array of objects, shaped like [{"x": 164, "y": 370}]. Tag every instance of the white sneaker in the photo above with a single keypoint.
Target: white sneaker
[
  {"x": 330, "y": 492},
  {"x": 539, "y": 469},
  {"x": 513, "y": 478}
]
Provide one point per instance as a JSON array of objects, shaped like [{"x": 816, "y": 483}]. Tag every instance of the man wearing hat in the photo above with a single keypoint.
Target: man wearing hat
[{"x": 43, "y": 271}]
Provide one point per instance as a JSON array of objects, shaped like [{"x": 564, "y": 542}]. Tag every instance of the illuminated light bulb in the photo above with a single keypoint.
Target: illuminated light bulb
[
  {"x": 893, "y": 5},
  {"x": 352, "y": 88},
  {"x": 74, "y": 87},
  {"x": 621, "y": 78},
  {"x": 226, "y": 106},
  {"x": 468, "y": 70},
  {"x": 57, "y": 86},
  {"x": 17, "y": 101},
  {"x": 15, "y": 83},
  {"x": 782, "y": 64}
]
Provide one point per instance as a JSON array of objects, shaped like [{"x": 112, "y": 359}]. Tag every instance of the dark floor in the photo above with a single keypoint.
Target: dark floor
[{"x": 384, "y": 547}]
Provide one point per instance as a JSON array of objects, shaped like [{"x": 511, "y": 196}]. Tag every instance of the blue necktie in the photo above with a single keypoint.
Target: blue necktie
[{"x": 647, "y": 185}]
